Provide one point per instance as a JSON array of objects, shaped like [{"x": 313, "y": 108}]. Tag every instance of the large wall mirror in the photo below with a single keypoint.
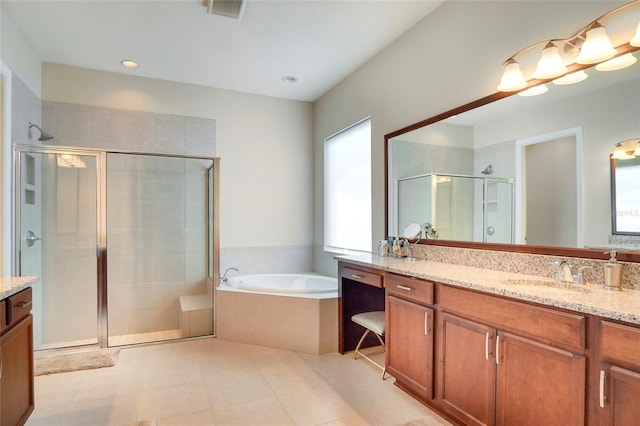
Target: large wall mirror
[{"x": 541, "y": 168}]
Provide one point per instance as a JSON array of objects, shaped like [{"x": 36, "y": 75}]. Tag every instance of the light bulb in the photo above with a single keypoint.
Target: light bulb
[
  {"x": 619, "y": 153},
  {"x": 512, "y": 79},
  {"x": 597, "y": 46},
  {"x": 550, "y": 64}
]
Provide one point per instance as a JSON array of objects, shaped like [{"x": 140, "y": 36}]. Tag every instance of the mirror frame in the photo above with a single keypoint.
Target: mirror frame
[
  {"x": 614, "y": 207},
  {"x": 625, "y": 256}
]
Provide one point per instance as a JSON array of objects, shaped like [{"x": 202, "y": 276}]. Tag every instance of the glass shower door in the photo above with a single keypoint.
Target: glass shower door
[{"x": 57, "y": 196}]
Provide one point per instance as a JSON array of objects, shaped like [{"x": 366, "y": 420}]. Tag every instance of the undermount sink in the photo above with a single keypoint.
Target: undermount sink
[{"x": 548, "y": 285}]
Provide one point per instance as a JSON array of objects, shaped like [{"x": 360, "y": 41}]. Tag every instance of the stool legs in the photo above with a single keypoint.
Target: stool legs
[{"x": 357, "y": 352}]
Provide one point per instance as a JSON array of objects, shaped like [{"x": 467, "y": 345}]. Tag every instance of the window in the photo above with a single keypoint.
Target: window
[{"x": 347, "y": 189}]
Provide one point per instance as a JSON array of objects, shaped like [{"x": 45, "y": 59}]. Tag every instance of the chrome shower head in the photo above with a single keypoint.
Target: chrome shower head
[
  {"x": 487, "y": 170},
  {"x": 44, "y": 136}
]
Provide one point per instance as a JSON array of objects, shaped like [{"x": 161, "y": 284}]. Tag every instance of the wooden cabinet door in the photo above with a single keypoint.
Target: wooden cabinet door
[
  {"x": 467, "y": 370},
  {"x": 538, "y": 384},
  {"x": 16, "y": 382},
  {"x": 619, "y": 396},
  {"x": 409, "y": 341}
]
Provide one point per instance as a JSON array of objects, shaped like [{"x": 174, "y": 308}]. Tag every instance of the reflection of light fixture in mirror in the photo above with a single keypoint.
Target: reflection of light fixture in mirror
[
  {"x": 550, "y": 64},
  {"x": 574, "y": 77},
  {"x": 617, "y": 63},
  {"x": 534, "y": 91},
  {"x": 635, "y": 41},
  {"x": 596, "y": 47},
  {"x": 623, "y": 150},
  {"x": 71, "y": 161},
  {"x": 512, "y": 78}
]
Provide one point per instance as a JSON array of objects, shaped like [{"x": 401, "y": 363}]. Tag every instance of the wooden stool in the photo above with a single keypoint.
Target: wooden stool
[{"x": 373, "y": 322}]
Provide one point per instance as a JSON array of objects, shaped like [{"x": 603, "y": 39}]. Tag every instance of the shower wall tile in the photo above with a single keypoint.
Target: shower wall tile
[
  {"x": 73, "y": 128},
  {"x": 138, "y": 133},
  {"x": 169, "y": 268},
  {"x": 107, "y": 130},
  {"x": 197, "y": 138},
  {"x": 169, "y": 135},
  {"x": 195, "y": 240},
  {"x": 168, "y": 241},
  {"x": 135, "y": 131},
  {"x": 195, "y": 266}
]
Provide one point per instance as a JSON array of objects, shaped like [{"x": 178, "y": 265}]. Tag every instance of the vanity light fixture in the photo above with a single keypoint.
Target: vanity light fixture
[
  {"x": 617, "y": 63},
  {"x": 590, "y": 45},
  {"x": 129, "y": 63},
  {"x": 636, "y": 152}
]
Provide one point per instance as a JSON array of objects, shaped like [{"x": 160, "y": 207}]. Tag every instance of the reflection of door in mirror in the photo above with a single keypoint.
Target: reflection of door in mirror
[
  {"x": 550, "y": 182},
  {"x": 625, "y": 196}
]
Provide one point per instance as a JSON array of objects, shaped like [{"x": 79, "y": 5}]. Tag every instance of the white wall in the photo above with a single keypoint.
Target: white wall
[
  {"x": 18, "y": 55},
  {"x": 452, "y": 57},
  {"x": 264, "y": 143}
]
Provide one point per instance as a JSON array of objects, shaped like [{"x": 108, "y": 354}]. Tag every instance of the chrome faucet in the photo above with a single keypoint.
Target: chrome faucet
[
  {"x": 563, "y": 271},
  {"x": 224, "y": 278}
]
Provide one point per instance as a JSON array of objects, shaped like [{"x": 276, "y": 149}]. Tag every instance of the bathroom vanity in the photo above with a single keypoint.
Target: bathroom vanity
[
  {"x": 16, "y": 350},
  {"x": 490, "y": 347}
]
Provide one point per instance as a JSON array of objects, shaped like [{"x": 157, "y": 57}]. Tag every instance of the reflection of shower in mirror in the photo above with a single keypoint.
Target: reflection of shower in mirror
[{"x": 488, "y": 170}]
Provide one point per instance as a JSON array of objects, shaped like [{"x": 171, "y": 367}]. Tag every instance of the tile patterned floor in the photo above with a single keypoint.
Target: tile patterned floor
[{"x": 215, "y": 382}]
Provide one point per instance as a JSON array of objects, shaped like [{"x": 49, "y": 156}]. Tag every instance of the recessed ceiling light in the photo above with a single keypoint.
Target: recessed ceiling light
[
  {"x": 128, "y": 63},
  {"x": 290, "y": 79}
]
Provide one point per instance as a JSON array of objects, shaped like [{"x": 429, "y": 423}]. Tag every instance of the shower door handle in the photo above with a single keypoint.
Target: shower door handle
[{"x": 31, "y": 238}]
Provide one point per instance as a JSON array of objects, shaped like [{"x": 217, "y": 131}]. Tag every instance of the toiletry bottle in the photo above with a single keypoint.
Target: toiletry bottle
[{"x": 612, "y": 273}]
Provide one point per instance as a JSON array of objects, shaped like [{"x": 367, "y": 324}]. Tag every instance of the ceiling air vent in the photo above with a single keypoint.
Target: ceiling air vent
[{"x": 229, "y": 8}]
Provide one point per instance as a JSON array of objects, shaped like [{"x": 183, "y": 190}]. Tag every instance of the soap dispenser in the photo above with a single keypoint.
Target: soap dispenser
[{"x": 612, "y": 273}]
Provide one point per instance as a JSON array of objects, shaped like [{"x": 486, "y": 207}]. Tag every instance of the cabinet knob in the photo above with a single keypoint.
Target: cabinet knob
[{"x": 402, "y": 287}]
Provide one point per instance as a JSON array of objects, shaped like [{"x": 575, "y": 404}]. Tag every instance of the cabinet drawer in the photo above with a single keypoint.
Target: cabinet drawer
[
  {"x": 555, "y": 328},
  {"x": 18, "y": 306},
  {"x": 368, "y": 278},
  {"x": 410, "y": 288},
  {"x": 620, "y": 343}
]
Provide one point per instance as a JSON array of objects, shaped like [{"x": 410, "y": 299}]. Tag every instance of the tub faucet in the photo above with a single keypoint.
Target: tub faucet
[
  {"x": 224, "y": 278},
  {"x": 563, "y": 271}
]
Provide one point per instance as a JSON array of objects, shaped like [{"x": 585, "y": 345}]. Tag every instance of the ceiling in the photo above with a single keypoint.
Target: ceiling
[{"x": 318, "y": 42}]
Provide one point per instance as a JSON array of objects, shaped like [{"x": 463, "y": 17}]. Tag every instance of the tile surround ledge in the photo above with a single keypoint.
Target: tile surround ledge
[
  {"x": 594, "y": 300},
  {"x": 12, "y": 285}
]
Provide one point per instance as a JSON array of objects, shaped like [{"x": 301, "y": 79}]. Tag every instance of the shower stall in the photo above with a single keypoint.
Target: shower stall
[
  {"x": 123, "y": 244},
  {"x": 463, "y": 208}
]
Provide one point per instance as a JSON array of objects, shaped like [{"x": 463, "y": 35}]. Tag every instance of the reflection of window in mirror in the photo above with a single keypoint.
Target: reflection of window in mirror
[{"x": 625, "y": 196}]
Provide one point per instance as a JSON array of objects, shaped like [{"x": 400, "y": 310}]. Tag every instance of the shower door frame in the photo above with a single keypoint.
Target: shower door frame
[
  {"x": 101, "y": 261},
  {"x": 101, "y": 219}
]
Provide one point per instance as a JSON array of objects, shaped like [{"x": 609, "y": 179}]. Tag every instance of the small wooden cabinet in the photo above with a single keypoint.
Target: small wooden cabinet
[
  {"x": 410, "y": 334},
  {"x": 619, "y": 375},
  {"x": 16, "y": 360}
]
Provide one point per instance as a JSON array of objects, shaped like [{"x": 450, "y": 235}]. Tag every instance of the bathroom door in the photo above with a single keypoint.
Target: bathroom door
[{"x": 58, "y": 239}]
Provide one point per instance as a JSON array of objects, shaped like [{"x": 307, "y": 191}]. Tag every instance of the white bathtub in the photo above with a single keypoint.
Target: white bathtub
[
  {"x": 296, "y": 312},
  {"x": 294, "y": 285}
]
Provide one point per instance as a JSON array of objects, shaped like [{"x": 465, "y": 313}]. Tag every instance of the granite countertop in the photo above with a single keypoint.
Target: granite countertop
[
  {"x": 585, "y": 298},
  {"x": 12, "y": 285}
]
